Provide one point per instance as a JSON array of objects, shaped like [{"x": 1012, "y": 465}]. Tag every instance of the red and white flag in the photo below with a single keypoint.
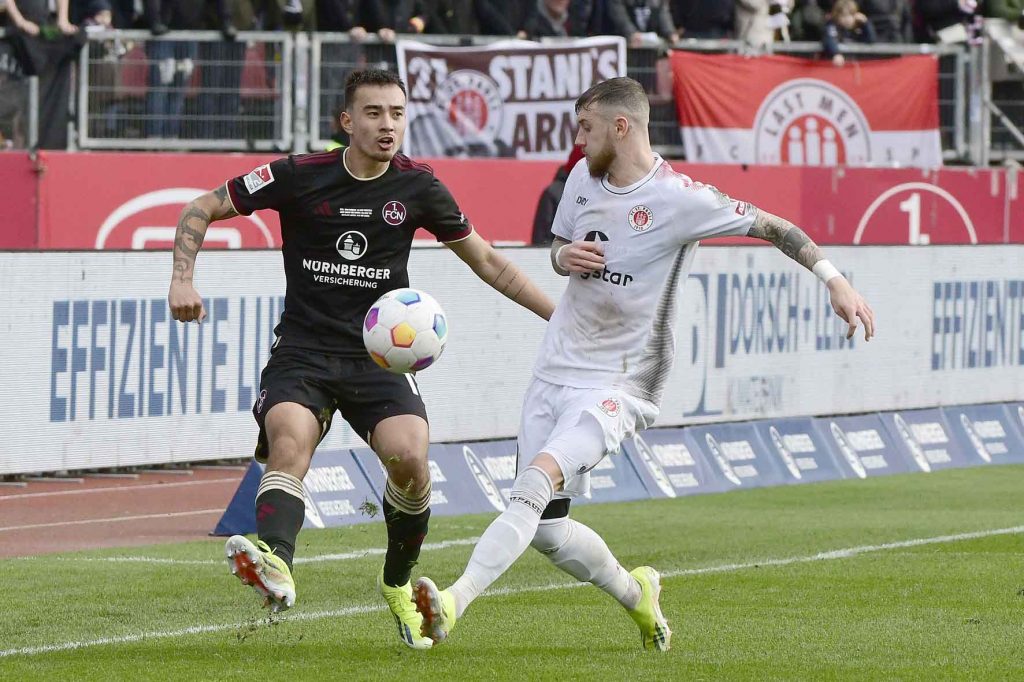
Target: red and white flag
[{"x": 790, "y": 111}]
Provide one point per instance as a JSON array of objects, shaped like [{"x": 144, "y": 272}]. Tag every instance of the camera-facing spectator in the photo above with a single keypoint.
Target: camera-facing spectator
[
  {"x": 846, "y": 23},
  {"x": 642, "y": 21},
  {"x": 31, "y": 17},
  {"x": 709, "y": 19}
]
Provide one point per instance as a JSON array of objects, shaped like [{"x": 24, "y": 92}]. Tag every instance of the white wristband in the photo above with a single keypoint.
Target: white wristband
[
  {"x": 558, "y": 256},
  {"x": 825, "y": 270}
]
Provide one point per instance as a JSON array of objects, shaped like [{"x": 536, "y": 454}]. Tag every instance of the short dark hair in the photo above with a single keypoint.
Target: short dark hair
[
  {"x": 362, "y": 77},
  {"x": 623, "y": 92}
]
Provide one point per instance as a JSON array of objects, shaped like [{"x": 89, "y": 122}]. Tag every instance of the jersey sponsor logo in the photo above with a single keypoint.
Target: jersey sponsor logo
[
  {"x": 355, "y": 212},
  {"x": 610, "y": 406},
  {"x": 259, "y": 178},
  {"x": 595, "y": 236},
  {"x": 352, "y": 245},
  {"x": 810, "y": 122},
  {"x": 641, "y": 218},
  {"x": 394, "y": 213}
]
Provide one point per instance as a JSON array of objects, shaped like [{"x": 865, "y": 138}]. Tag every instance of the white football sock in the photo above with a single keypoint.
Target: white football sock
[
  {"x": 506, "y": 538},
  {"x": 583, "y": 554}
]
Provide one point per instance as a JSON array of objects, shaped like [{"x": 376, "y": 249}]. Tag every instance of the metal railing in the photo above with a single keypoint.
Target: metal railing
[
  {"x": 281, "y": 92},
  {"x": 186, "y": 91}
]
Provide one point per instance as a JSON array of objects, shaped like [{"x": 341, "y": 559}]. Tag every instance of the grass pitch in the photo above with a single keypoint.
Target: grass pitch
[{"x": 906, "y": 577}]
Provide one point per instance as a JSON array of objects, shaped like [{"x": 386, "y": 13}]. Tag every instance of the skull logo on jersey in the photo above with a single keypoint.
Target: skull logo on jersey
[{"x": 641, "y": 218}]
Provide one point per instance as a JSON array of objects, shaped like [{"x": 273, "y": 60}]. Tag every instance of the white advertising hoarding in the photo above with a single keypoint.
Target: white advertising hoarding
[{"x": 96, "y": 374}]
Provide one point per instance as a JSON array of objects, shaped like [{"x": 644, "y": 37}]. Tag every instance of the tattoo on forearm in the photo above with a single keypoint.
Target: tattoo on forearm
[
  {"x": 189, "y": 238},
  {"x": 787, "y": 237}
]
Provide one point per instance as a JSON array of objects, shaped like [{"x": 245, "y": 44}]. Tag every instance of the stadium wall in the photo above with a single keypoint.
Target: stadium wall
[
  {"x": 133, "y": 200},
  {"x": 96, "y": 375}
]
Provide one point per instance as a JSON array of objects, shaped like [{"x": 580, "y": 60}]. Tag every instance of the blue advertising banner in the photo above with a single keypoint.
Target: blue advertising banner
[
  {"x": 740, "y": 455},
  {"x": 990, "y": 430},
  {"x": 460, "y": 483},
  {"x": 864, "y": 445},
  {"x": 928, "y": 439},
  {"x": 670, "y": 464},
  {"x": 337, "y": 492},
  {"x": 805, "y": 455}
]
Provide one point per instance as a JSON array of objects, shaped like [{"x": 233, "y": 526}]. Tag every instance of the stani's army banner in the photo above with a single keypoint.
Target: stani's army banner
[
  {"x": 510, "y": 98},
  {"x": 802, "y": 112}
]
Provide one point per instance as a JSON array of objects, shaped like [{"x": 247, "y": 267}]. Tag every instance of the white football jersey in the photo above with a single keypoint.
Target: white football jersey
[{"x": 616, "y": 328}]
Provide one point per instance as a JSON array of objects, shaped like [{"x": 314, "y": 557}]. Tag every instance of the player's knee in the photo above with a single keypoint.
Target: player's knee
[
  {"x": 289, "y": 455},
  {"x": 551, "y": 536},
  {"x": 533, "y": 488}
]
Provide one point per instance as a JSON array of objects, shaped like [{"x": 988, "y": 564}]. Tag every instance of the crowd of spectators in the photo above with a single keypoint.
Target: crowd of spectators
[{"x": 755, "y": 22}]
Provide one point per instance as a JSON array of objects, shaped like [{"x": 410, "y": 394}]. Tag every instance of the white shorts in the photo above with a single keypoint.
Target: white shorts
[{"x": 607, "y": 414}]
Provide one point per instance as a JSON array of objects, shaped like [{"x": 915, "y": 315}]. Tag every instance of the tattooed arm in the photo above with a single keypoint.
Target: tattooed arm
[
  {"x": 502, "y": 274},
  {"x": 185, "y": 302},
  {"x": 794, "y": 242}
]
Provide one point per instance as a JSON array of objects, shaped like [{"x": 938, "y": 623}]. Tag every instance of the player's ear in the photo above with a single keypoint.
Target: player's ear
[
  {"x": 346, "y": 122},
  {"x": 621, "y": 126}
]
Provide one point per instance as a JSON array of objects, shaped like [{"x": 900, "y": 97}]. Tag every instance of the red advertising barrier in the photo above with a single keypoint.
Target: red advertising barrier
[
  {"x": 18, "y": 205},
  {"x": 131, "y": 201}
]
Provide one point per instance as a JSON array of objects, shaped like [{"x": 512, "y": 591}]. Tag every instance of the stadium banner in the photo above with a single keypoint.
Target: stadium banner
[
  {"x": 133, "y": 200},
  {"x": 18, "y": 177},
  {"x": 806, "y": 455},
  {"x": 740, "y": 456},
  {"x": 866, "y": 447},
  {"x": 96, "y": 374},
  {"x": 927, "y": 436},
  {"x": 990, "y": 431},
  {"x": 791, "y": 111},
  {"x": 671, "y": 465},
  {"x": 507, "y": 99}
]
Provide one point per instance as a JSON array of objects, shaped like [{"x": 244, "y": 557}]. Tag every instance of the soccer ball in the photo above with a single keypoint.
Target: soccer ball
[{"x": 405, "y": 331}]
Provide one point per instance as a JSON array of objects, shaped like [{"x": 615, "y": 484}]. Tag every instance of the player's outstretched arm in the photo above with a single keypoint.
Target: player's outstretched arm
[
  {"x": 502, "y": 274},
  {"x": 185, "y": 302},
  {"x": 794, "y": 242}
]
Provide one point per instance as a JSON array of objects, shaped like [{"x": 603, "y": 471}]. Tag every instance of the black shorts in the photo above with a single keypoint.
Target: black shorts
[{"x": 364, "y": 393}]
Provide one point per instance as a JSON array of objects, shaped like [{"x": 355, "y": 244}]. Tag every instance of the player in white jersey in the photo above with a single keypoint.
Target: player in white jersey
[{"x": 626, "y": 231}]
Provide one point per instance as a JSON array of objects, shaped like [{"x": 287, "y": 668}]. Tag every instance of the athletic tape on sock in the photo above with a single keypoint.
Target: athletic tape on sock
[
  {"x": 408, "y": 504},
  {"x": 279, "y": 480}
]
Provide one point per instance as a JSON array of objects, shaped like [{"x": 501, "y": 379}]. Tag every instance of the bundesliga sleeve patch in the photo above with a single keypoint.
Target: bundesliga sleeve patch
[{"x": 259, "y": 178}]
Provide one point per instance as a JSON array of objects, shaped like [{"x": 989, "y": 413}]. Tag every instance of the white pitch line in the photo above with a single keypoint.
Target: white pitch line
[
  {"x": 358, "y": 554},
  {"x": 831, "y": 555},
  {"x": 113, "y": 519},
  {"x": 118, "y": 488}
]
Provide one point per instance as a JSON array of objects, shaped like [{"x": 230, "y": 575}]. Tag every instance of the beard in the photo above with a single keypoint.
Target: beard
[{"x": 599, "y": 163}]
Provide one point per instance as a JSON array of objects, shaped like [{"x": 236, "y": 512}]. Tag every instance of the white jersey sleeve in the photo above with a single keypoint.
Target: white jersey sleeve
[
  {"x": 565, "y": 214},
  {"x": 705, "y": 212}
]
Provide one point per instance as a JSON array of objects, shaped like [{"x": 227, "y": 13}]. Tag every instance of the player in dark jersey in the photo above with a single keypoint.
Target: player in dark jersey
[{"x": 347, "y": 223}]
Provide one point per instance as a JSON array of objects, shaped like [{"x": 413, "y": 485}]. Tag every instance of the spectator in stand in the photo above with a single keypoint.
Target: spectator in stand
[
  {"x": 387, "y": 18},
  {"x": 704, "y": 18},
  {"x": 890, "y": 19},
  {"x": 549, "y": 198},
  {"x": 758, "y": 20},
  {"x": 338, "y": 16},
  {"x": 1011, "y": 10},
  {"x": 90, "y": 13},
  {"x": 807, "y": 21},
  {"x": 944, "y": 20},
  {"x": 31, "y": 17},
  {"x": 478, "y": 17},
  {"x": 555, "y": 19},
  {"x": 846, "y": 23},
  {"x": 171, "y": 63},
  {"x": 642, "y": 21}
]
